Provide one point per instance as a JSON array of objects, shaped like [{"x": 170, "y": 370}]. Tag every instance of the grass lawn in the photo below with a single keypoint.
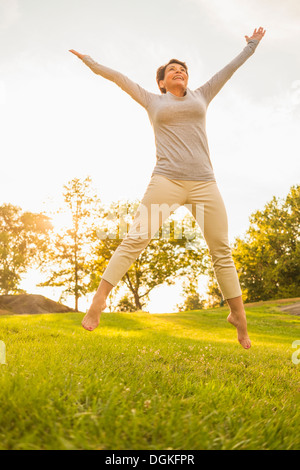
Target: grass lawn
[{"x": 142, "y": 381}]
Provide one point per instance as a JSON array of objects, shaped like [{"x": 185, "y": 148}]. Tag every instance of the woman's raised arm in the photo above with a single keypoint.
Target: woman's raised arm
[
  {"x": 137, "y": 92},
  {"x": 214, "y": 85}
]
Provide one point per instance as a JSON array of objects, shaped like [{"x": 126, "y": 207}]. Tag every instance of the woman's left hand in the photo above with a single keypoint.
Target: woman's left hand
[{"x": 257, "y": 34}]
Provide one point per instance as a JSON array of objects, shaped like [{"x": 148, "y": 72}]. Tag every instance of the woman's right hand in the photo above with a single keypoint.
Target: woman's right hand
[{"x": 76, "y": 53}]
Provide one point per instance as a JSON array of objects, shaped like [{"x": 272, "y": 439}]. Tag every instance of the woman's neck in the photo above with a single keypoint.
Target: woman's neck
[{"x": 178, "y": 92}]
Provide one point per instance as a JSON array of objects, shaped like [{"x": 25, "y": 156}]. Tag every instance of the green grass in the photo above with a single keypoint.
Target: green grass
[{"x": 167, "y": 381}]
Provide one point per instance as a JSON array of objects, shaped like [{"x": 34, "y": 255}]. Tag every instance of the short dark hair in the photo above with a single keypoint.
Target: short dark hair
[{"x": 160, "y": 73}]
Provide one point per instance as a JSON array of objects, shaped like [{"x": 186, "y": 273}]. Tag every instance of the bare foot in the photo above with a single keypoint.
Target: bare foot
[
  {"x": 240, "y": 322},
  {"x": 92, "y": 318}
]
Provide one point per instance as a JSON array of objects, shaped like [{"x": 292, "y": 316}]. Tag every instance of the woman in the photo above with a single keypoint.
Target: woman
[{"x": 183, "y": 175}]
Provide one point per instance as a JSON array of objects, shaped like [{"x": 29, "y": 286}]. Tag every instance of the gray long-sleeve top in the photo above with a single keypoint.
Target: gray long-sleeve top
[{"x": 179, "y": 123}]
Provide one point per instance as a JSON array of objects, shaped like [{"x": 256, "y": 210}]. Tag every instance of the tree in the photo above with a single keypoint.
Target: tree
[
  {"x": 70, "y": 251},
  {"x": 164, "y": 259},
  {"x": 192, "y": 298},
  {"x": 268, "y": 258},
  {"x": 126, "y": 304},
  {"x": 24, "y": 239}
]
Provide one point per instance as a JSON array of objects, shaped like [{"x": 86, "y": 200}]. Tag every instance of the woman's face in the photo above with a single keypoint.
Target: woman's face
[{"x": 175, "y": 77}]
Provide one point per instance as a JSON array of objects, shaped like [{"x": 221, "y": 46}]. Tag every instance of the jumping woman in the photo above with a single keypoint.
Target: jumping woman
[{"x": 183, "y": 174}]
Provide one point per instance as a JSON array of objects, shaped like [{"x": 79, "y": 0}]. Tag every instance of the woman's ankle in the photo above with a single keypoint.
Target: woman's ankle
[
  {"x": 238, "y": 313},
  {"x": 236, "y": 306},
  {"x": 98, "y": 300}
]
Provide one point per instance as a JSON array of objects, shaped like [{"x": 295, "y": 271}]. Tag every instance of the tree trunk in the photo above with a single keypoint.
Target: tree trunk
[{"x": 137, "y": 301}]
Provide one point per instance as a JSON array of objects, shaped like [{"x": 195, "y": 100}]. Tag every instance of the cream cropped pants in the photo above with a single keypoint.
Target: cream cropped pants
[{"x": 162, "y": 197}]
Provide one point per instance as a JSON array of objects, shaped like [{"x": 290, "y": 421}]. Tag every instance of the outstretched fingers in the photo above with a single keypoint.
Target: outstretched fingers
[
  {"x": 76, "y": 53},
  {"x": 260, "y": 31}
]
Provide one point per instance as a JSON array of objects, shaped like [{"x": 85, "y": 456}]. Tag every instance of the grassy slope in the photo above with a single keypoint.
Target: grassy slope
[{"x": 140, "y": 381}]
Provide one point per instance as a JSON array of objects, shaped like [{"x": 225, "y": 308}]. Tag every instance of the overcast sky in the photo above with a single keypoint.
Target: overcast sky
[{"x": 60, "y": 120}]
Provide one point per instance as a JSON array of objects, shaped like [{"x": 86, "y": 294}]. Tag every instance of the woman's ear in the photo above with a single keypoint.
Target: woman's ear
[{"x": 161, "y": 84}]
